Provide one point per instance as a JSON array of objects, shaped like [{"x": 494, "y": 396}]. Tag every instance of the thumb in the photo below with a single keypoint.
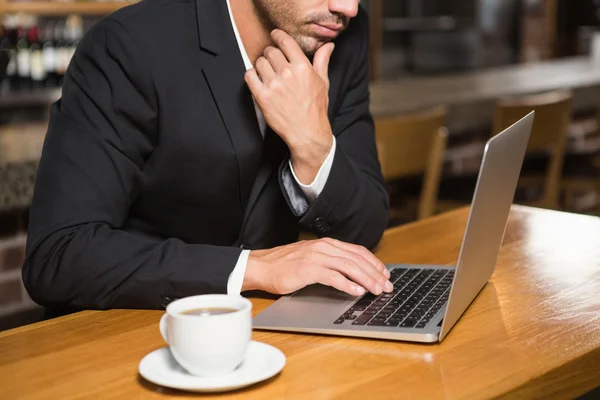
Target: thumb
[{"x": 321, "y": 60}]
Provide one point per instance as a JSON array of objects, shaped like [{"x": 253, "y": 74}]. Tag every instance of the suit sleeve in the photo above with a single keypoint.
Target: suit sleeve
[
  {"x": 101, "y": 134},
  {"x": 353, "y": 205}
]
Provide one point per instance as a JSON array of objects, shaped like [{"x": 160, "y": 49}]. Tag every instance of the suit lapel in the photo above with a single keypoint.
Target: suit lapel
[{"x": 223, "y": 69}]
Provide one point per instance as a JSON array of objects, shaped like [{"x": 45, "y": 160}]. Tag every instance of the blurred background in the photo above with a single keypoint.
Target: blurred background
[{"x": 445, "y": 76}]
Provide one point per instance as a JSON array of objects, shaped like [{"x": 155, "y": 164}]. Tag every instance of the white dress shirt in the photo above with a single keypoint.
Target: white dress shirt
[{"x": 311, "y": 192}]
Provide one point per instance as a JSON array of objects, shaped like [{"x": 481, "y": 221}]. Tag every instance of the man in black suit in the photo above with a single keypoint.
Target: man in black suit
[{"x": 173, "y": 167}]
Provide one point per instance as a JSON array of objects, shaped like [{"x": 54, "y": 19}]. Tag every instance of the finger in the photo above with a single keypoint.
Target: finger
[
  {"x": 321, "y": 60},
  {"x": 381, "y": 281},
  {"x": 363, "y": 252},
  {"x": 276, "y": 58},
  {"x": 336, "y": 280},
  {"x": 352, "y": 271},
  {"x": 264, "y": 69},
  {"x": 288, "y": 46},
  {"x": 254, "y": 84}
]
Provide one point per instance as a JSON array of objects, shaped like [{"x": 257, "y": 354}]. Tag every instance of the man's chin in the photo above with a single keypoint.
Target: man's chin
[{"x": 310, "y": 45}]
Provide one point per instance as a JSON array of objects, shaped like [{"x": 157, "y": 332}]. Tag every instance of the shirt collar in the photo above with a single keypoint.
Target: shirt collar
[{"x": 247, "y": 63}]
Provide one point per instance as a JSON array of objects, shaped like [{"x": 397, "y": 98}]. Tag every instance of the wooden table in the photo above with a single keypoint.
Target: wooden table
[
  {"x": 533, "y": 332},
  {"x": 470, "y": 97}
]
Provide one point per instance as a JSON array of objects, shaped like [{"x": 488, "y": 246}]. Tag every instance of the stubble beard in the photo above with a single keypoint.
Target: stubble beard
[{"x": 277, "y": 14}]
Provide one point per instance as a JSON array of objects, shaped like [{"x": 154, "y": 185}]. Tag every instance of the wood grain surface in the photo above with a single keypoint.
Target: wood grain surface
[{"x": 533, "y": 332}]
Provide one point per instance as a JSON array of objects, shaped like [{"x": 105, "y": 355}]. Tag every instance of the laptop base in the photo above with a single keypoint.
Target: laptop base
[{"x": 317, "y": 309}]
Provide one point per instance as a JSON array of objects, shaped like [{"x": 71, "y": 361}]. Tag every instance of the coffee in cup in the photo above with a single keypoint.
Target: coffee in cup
[{"x": 208, "y": 311}]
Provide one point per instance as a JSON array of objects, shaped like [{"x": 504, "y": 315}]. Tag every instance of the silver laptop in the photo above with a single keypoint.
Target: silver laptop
[{"x": 427, "y": 299}]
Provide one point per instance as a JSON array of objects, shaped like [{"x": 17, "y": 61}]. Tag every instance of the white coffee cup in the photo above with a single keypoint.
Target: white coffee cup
[{"x": 209, "y": 345}]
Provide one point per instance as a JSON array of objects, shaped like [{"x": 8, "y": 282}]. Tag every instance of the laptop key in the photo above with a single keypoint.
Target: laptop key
[
  {"x": 367, "y": 298},
  {"x": 420, "y": 310},
  {"x": 426, "y": 304},
  {"x": 422, "y": 324},
  {"x": 351, "y": 317},
  {"x": 399, "y": 316},
  {"x": 409, "y": 323},
  {"x": 379, "y": 322},
  {"x": 339, "y": 321},
  {"x": 397, "y": 272},
  {"x": 362, "y": 319},
  {"x": 416, "y": 316}
]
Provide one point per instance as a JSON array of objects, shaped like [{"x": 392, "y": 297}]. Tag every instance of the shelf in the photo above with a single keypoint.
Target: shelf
[
  {"x": 54, "y": 8},
  {"x": 21, "y": 143},
  {"x": 38, "y": 98}
]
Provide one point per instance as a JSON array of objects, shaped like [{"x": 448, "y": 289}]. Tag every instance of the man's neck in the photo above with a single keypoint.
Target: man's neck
[{"x": 255, "y": 36}]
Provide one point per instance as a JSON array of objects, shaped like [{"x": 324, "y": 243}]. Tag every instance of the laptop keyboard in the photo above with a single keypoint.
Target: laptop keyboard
[{"x": 417, "y": 297}]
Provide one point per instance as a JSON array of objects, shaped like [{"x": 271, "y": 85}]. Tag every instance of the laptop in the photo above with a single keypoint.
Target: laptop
[{"x": 427, "y": 300}]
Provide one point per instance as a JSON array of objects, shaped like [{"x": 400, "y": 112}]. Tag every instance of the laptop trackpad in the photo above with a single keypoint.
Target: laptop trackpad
[
  {"x": 313, "y": 306},
  {"x": 321, "y": 293}
]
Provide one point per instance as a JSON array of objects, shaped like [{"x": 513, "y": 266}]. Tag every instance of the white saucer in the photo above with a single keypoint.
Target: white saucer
[{"x": 262, "y": 362}]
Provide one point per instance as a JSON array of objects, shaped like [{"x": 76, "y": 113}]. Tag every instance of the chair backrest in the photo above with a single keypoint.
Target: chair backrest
[
  {"x": 414, "y": 144},
  {"x": 548, "y": 135}
]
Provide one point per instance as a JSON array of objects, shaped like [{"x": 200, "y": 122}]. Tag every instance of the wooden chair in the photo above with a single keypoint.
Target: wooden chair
[
  {"x": 413, "y": 145},
  {"x": 548, "y": 137}
]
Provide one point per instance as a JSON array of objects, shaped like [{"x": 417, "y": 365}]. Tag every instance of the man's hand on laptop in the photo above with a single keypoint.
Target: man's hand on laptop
[
  {"x": 293, "y": 96},
  {"x": 346, "y": 267}
]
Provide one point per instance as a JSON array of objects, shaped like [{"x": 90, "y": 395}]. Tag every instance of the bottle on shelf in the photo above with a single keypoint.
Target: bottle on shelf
[
  {"x": 49, "y": 54},
  {"x": 36, "y": 56},
  {"x": 23, "y": 55},
  {"x": 73, "y": 34},
  {"x": 9, "y": 43},
  {"x": 61, "y": 52}
]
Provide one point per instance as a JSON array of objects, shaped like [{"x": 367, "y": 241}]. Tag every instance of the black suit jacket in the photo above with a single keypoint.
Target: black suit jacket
[{"x": 154, "y": 174}]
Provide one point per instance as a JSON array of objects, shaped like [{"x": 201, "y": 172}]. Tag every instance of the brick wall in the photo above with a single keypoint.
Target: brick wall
[{"x": 13, "y": 296}]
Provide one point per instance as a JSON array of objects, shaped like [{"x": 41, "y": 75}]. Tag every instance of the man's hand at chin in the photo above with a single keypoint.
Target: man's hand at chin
[
  {"x": 346, "y": 267},
  {"x": 293, "y": 96}
]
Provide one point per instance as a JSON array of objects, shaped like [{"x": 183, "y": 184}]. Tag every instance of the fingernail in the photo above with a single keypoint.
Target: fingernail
[
  {"x": 378, "y": 288},
  {"x": 386, "y": 272},
  {"x": 388, "y": 286},
  {"x": 359, "y": 290}
]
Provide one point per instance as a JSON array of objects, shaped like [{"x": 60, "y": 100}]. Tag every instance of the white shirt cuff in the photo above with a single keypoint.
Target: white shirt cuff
[
  {"x": 313, "y": 190},
  {"x": 236, "y": 278}
]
